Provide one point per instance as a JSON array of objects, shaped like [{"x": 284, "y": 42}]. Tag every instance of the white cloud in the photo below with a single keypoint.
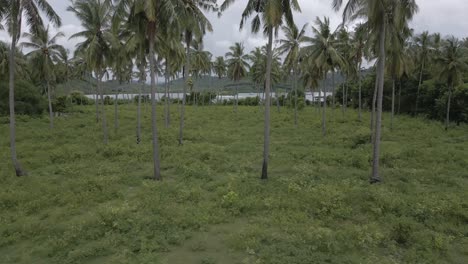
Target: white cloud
[
  {"x": 223, "y": 44},
  {"x": 447, "y": 17}
]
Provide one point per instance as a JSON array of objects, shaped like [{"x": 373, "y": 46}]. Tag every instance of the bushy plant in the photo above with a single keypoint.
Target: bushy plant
[
  {"x": 60, "y": 104},
  {"x": 78, "y": 98},
  {"x": 28, "y": 99}
]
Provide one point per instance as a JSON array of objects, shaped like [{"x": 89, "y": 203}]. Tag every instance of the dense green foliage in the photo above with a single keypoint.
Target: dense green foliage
[
  {"x": 28, "y": 99},
  {"x": 84, "y": 202},
  {"x": 432, "y": 99}
]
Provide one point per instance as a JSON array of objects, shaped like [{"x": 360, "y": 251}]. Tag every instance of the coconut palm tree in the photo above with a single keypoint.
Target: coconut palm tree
[
  {"x": 194, "y": 24},
  {"x": 21, "y": 63},
  {"x": 291, "y": 46},
  {"x": 311, "y": 76},
  {"x": 257, "y": 60},
  {"x": 201, "y": 62},
  {"x": 376, "y": 13},
  {"x": 156, "y": 16},
  {"x": 237, "y": 65},
  {"x": 323, "y": 52},
  {"x": 273, "y": 13},
  {"x": 64, "y": 61},
  {"x": 15, "y": 12},
  {"x": 44, "y": 47},
  {"x": 220, "y": 67},
  {"x": 3, "y": 59},
  {"x": 82, "y": 70},
  {"x": 120, "y": 62},
  {"x": 174, "y": 57},
  {"x": 95, "y": 17},
  {"x": 347, "y": 68},
  {"x": 422, "y": 42},
  {"x": 397, "y": 61},
  {"x": 258, "y": 69},
  {"x": 453, "y": 63},
  {"x": 137, "y": 45},
  {"x": 358, "y": 52},
  {"x": 323, "y": 49}
]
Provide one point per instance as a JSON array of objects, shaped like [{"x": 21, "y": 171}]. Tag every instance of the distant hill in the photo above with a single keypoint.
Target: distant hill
[{"x": 205, "y": 83}]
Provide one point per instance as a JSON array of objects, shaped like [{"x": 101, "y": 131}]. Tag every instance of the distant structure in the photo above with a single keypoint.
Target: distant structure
[{"x": 316, "y": 96}]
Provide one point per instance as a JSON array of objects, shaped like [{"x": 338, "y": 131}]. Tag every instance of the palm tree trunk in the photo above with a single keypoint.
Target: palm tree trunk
[
  {"x": 11, "y": 100},
  {"x": 266, "y": 135},
  {"x": 374, "y": 100},
  {"x": 324, "y": 112},
  {"x": 419, "y": 86},
  {"x": 49, "y": 96},
  {"x": 166, "y": 80},
  {"x": 96, "y": 98},
  {"x": 333, "y": 89},
  {"x": 447, "y": 118},
  {"x": 343, "y": 99},
  {"x": 313, "y": 99},
  {"x": 237, "y": 99},
  {"x": 263, "y": 96},
  {"x": 346, "y": 96},
  {"x": 49, "y": 99},
  {"x": 116, "y": 111},
  {"x": 156, "y": 161},
  {"x": 188, "y": 39},
  {"x": 277, "y": 100},
  {"x": 378, "y": 122},
  {"x": 360, "y": 94},
  {"x": 139, "y": 114},
  {"x": 399, "y": 97},
  {"x": 393, "y": 104},
  {"x": 295, "y": 99},
  {"x": 103, "y": 110}
]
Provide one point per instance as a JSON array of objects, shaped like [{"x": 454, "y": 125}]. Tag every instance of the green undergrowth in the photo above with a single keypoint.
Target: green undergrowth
[{"x": 84, "y": 202}]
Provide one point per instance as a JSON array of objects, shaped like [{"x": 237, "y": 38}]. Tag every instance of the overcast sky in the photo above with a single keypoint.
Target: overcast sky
[{"x": 445, "y": 16}]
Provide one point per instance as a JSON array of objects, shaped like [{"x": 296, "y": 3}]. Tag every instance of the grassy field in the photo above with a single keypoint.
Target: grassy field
[{"x": 84, "y": 202}]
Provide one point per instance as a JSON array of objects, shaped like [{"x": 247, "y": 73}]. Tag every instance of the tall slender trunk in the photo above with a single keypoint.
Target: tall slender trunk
[
  {"x": 346, "y": 94},
  {"x": 399, "y": 97},
  {"x": 168, "y": 100},
  {"x": 139, "y": 113},
  {"x": 343, "y": 99},
  {"x": 51, "y": 111},
  {"x": 378, "y": 122},
  {"x": 277, "y": 100},
  {"x": 103, "y": 110},
  {"x": 18, "y": 169},
  {"x": 237, "y": 99},
  {"x": 447, "y": 118},
  {"x": 374, "y": 100},
  {"x": 49, "y": 96},
  {"x": 259, "y": 96},
  {"x": 419, "y": 86},
  {"x": 96, "y": 98},
  {"x": 266, "y": 145},
  {"x": 324, "y": 112},
  {"x": 263, "y": 95},
  {"x": 188, "y": 39},
  {"x": 116, "y": 111},
  {"x": 360, "y": 94},
  {"x": 393, "y": 104},
  {"x": 156, "y": 161},
  {"x": 333, "y": 89},
  {"x": 313, "y": 99},
  {"x": 295, "y": 98}
]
